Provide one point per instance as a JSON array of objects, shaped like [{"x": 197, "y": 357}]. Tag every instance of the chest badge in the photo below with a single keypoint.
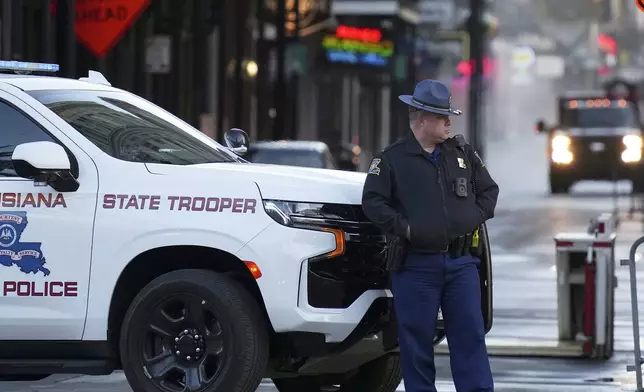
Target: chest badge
[{"x": 461, "y": 163}]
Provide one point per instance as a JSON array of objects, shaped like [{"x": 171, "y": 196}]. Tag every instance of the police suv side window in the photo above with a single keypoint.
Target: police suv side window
[{"x": 16, "y": 129}]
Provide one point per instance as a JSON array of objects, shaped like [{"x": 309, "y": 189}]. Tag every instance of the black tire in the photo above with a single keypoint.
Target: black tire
[
  {"x": 558, "y": 185},
  {"x": 381, "y": 375},
  {"x": 638, "y": 185},
  {"x": 233, "y": 337}
]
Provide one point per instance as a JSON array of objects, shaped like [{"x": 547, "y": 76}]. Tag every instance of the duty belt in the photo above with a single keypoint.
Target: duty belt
[{"x": 460, "y": 246}]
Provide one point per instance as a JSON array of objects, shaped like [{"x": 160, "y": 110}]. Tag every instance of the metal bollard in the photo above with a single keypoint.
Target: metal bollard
[{"x": 630, "y": 262}]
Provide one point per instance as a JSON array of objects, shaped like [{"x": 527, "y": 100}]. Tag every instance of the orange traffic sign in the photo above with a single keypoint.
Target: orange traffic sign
[{"x": 100, "y": 24}]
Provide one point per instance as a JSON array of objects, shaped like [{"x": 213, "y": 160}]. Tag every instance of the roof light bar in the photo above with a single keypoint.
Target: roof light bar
[{"x": 23, "y": 66}]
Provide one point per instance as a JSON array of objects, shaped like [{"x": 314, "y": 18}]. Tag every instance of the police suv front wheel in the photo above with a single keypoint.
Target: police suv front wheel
[
  {"x": 194, "y": 330},
  {"x": 381, "y": 375}
]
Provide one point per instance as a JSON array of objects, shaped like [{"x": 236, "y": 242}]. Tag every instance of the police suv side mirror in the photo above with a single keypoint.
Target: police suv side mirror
[
  {"x": 237, "y": 141},
  {"x": 45, "y": 163}
]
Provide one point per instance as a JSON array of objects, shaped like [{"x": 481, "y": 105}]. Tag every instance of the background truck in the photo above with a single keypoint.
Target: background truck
[{"x": 597, "y": 137}]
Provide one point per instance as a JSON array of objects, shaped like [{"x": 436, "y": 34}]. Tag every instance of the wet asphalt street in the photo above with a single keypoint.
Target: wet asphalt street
[{"x": 524, "y": 287}]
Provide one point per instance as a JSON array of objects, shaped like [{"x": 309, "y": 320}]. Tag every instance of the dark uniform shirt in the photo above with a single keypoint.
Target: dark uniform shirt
[{"x": 408, "y": 187}]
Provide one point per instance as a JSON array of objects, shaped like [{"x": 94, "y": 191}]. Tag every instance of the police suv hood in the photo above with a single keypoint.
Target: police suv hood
[{"x": 280, "y": 182}]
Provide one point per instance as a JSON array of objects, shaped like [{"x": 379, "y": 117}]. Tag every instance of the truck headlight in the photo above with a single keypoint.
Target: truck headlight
[
  {"x": 633, "y": 151},
  {"x": 561, "y": 153},
  {"x": 563, "y": 157},
  {"x": 312, "y": 216},
  {"x": 560, "y": 142},
  {"x": 631, "y": 155},
  {"x": 632, "y": 141}
]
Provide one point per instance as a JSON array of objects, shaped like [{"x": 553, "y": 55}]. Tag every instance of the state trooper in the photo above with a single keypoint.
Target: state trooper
[{"x": 433, "y": 192}]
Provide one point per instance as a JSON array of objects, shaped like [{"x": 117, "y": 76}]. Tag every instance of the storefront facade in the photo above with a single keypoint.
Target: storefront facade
[
  {"x": 214, "y": 63},
  {"x": 363, "y": 64},
  {"x": 217, "y": 63}
]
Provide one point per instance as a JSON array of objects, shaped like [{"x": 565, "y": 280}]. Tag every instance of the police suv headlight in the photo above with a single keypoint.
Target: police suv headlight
[
  {"x": 298, "y": 214},
  {"x": 312, "y": 216}
]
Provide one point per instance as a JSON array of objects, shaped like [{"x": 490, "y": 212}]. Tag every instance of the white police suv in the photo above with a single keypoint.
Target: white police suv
[{"x": 129, "y": 240}]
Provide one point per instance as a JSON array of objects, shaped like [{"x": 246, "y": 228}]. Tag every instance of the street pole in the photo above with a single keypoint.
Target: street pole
[
  {"x": 240, "y": 18},
  {"x": 591, "y": 72},
  {"x": 294, "y": 79},
  {"x": 261, "y": 71},
  {"x": 279, "y": 88},
  {"x": 477, "y": 38}
]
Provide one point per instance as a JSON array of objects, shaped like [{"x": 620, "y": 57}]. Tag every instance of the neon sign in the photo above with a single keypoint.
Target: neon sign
[{"x": 355, "y": 45}]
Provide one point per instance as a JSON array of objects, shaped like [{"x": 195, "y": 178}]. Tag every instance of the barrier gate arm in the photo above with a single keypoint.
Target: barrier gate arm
[
  {"x": 630, "y": 262},
  {"x": 596, "y": 275}
]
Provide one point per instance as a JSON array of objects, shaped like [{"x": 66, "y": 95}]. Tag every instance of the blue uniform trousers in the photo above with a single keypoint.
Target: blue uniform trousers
[{"x": 425, "y": 282}]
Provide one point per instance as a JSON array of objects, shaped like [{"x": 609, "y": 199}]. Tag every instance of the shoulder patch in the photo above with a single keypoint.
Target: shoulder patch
[
  {"x": 373, "y": 167},
  {"x": 479, "y": 157}
]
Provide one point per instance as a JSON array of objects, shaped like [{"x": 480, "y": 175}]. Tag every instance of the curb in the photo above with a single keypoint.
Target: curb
[{"x": 526, "y": 348}]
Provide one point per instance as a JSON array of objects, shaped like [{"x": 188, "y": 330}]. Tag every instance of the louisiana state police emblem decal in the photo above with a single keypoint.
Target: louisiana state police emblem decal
[
  {"x": 373, "y": 167},
  {"x": 27, "y": 256}
]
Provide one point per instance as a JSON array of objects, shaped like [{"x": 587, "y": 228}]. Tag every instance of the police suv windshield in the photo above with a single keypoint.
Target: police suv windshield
[
  {"x": 132, "y": 129},
  {"x": 613, "y": 115}
]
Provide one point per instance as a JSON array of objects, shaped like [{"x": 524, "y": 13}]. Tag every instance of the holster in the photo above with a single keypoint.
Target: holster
[
  {"x": 460, "y": 247},
  {"x": 395, "y": 252}
]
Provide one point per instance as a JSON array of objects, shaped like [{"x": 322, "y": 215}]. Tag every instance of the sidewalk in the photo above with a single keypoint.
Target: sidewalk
[{"x": 525, "y": 296}]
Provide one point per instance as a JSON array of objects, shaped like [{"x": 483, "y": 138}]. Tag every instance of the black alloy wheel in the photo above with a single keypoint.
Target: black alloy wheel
[
  {"x": 194, "y": 331},
  {"x": 183, "y": 345}
]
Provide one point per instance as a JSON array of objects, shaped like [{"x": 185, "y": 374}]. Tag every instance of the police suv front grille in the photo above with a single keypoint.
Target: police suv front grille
[{"x": 337, "y": 282}]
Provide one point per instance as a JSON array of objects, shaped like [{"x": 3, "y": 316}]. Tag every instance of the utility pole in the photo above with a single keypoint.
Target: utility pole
[
  {"x": 261, "y": 72},
  {"x": 294, "y": 79},
  {"x": 594, "y": 55},
  {"x": 476, "y": 31},
  {"x": 6, "y": 30},
  {"x": 240, "y": 28},
  {"x": 279, "y": 88}
]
